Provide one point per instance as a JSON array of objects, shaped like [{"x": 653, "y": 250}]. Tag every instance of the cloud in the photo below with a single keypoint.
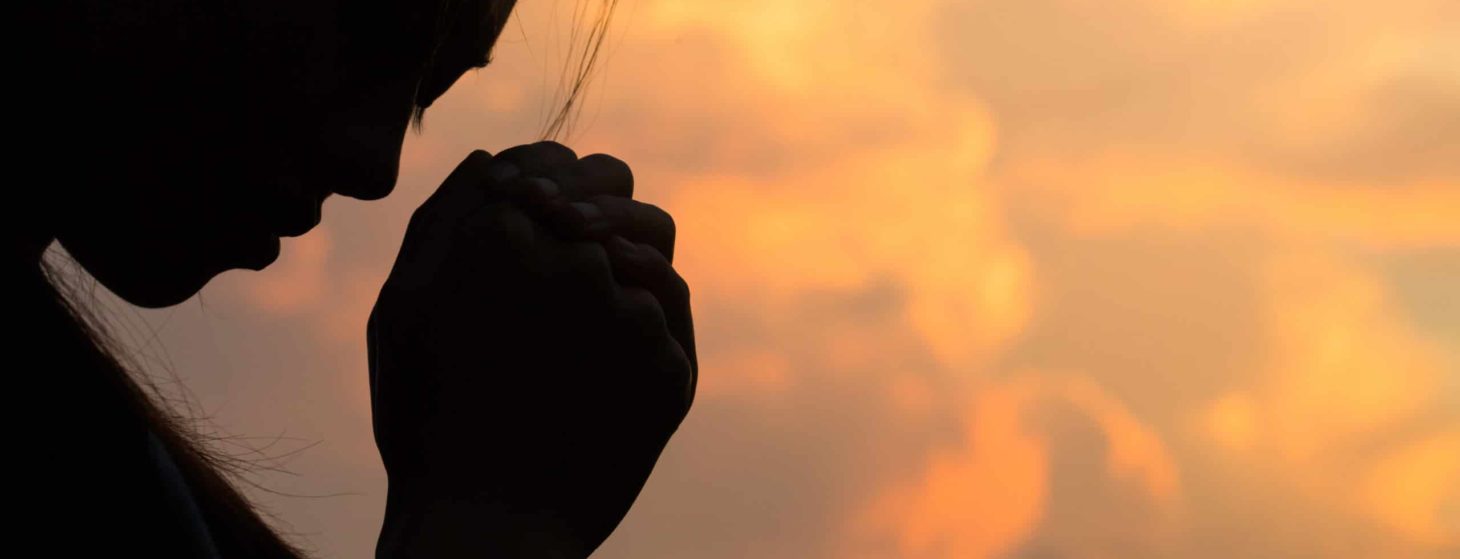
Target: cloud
[
  {"x": 1023, "y": 475},
  {"x": 976, "y": 279},
  {"x": 1347, "y": 93}
]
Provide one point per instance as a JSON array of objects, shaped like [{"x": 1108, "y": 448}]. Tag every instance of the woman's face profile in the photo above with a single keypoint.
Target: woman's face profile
[{"x": 209, "y": 130}]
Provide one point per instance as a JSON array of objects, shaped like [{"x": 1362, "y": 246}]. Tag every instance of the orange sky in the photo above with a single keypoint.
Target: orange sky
[{"x": 973, "y": 279}]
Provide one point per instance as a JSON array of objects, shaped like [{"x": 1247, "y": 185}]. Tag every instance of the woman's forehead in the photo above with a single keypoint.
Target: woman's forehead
[{"x": 478, "y": 24}]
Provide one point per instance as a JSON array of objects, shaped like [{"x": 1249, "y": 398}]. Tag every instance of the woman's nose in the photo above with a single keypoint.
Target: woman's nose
[
  {"x": 364, "y": 159},
  {"x": 366, "y": 117}
]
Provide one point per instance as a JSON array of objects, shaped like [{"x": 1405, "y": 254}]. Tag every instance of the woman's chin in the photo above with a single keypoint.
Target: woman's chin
[
  {"x": 158, "y": 290},
  {"x": 155, "y": 281},
  {"x": 259, "y": 254},
  {"x": 159, "y": 299}
]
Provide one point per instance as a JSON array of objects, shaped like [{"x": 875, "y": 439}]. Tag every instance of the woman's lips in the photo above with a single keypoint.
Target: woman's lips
[
  {"x": 258, "y": 252},
  {"x": 295, "y": 217},
  {"x": 302, "y": 216},
  {"x": 298, "y": 210}
]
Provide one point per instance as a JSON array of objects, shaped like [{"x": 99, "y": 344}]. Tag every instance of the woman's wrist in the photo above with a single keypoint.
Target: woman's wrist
[{"x": 434, "y": 524}]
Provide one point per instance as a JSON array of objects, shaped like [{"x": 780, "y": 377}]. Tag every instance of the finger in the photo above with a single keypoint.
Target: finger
[
  {"x": 603, "y": 216},
  {"x": 500, "y": 222},
  {"x": 535, "y": 195},
  {"x": 550, "y": 160},
  {"x": 639, "y": 222},
  {"x": 581, "y": 271},
  {"x": 602, "y": 175},
  {"x": 422, "y": 250},
  {"x": 641, "y": 265},
  {"x": 643, "y": 308},
  {"x": 500, "y": 235},
  {"x": 460, "y": 193}
]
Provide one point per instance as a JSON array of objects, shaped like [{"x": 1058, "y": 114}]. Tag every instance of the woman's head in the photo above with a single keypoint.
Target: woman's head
[{"x": 195, "y": 134}]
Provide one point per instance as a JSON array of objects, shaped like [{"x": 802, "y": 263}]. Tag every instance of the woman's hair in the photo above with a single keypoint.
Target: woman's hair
[
  {"x": 577, "y": 75},
  {"x": 236, "y": 526},
  {"x": 585, "y": 44}
]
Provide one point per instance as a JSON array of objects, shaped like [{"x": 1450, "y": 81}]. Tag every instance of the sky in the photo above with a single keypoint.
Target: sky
[{"x": 1035, "y": 279}]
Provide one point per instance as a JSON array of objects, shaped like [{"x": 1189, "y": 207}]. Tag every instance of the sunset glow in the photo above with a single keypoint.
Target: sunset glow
[{"x": 972, "y": 278}]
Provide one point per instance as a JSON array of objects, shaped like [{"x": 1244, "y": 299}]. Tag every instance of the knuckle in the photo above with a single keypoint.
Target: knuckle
[
  {"x": 647, "y": 217},
  {"x": 605, "y": 158},
  {"x": 640, "y": 308},
  {"x": 586, "y": 257},
  {"x": 665, "y": 219},
  {"x": 658, "y": 214},
  {"x": 514, "y": 223},
  {"x": 586, "y": 269},
  {"x": 500, "y": 220},
  {"x": 470, "y": 167},
  {"x": 502, "y": 230},
  {"x": 684, "y": 394},
  {"x": 677, "y": 286},
  {"x": 551, "y": 148},
  {"x": 609, "y": 164},
  {"x": 475, "y": 161}
]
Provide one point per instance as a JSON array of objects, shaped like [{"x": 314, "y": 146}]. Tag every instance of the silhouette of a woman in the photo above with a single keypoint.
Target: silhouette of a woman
[{"x": 530, "y": 354}]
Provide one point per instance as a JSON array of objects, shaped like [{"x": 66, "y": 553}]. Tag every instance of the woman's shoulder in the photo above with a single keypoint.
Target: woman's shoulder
[
  {"x": 180, "y": 503},
  {"x": 95, "y": 481}
]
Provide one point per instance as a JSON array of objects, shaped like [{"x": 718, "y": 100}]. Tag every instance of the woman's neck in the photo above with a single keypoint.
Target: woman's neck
[{"x": 30, "y": 229}]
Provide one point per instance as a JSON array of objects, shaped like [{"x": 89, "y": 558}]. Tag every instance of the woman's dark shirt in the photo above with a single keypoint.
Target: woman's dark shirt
[{"x": 91, "y": 478}]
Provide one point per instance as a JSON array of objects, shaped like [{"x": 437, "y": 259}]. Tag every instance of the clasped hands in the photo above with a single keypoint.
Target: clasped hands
[{"x": 531, "y": 353}]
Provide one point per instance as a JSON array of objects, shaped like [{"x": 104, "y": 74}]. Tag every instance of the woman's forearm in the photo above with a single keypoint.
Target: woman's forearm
[{"x": 447, "y": 527}]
